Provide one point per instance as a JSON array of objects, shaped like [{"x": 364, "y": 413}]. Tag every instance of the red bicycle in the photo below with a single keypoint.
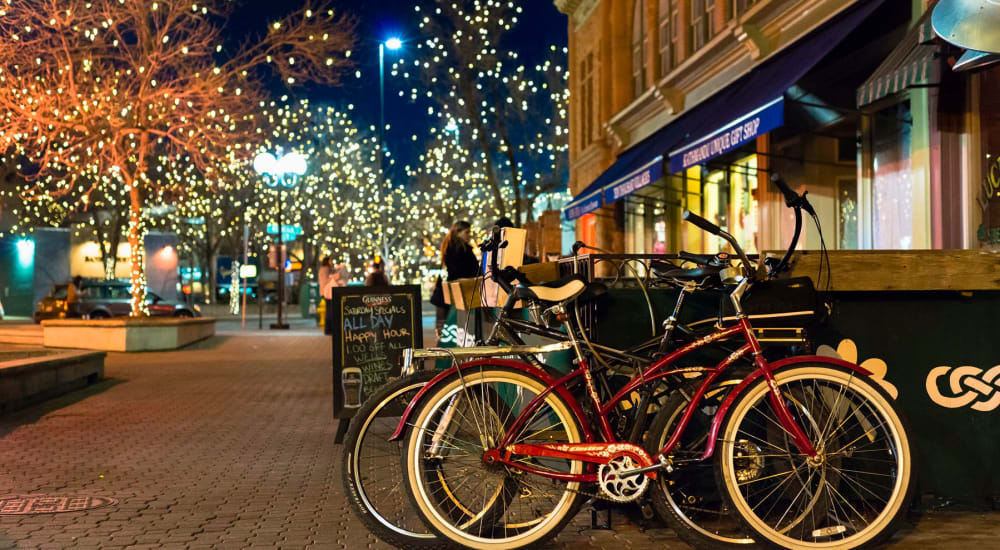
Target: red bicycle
[{"x": 809, "y": 450}]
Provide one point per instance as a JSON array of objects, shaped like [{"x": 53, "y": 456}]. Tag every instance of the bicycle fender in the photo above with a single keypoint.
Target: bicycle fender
[
  {"x": 517, "y": 365},
  {"x": 774, "y": 367}
]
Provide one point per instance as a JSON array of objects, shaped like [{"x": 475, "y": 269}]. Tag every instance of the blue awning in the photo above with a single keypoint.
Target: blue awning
[
  {"x": 756, "y": 94},
  {"x": 742, "y": 130}
]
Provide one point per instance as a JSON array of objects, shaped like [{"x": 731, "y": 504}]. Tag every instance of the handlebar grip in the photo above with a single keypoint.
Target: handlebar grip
[
  {"x": 701, "y": 222},
  {"x": 791, "y": 197}
]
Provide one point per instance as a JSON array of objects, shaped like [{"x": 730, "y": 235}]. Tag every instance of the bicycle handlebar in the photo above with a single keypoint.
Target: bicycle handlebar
[
  {"x": 701, "y": 223},
  {"x": 791, "y": 197},
  {"x": 797, "y": 203}
]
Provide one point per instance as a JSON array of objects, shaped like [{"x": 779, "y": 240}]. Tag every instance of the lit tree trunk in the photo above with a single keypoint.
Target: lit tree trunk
[
  {"x": 137, "y": 229},
  {"x": 208, "y": 274},
  {"x": 137, "y": 251}
]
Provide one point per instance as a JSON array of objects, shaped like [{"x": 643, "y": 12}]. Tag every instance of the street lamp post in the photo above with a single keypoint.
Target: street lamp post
[
  {"x": 266, "y": 164},
  {"x": 392, "y": 44}
]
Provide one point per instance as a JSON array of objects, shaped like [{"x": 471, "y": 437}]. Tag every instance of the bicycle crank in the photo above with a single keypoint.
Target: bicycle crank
[{"x": 617, "y": 483}]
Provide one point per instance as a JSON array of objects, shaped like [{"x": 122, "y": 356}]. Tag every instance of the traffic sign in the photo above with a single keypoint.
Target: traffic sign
[{"x": 248, "y": 271}]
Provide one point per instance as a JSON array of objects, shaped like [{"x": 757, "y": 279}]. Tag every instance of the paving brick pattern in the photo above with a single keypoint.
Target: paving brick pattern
[{"x": 229, "y": 444}]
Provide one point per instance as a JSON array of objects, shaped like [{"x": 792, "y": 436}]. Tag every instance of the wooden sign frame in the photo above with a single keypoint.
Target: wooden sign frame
[{"x": 373, "y": 338}]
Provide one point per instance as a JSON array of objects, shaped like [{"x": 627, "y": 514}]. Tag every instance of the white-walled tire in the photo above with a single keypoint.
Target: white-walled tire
[
  {"x": 372, "y": 475},
  {"x": 449, "y": 482},
  {"x": 854, "y": 497}
]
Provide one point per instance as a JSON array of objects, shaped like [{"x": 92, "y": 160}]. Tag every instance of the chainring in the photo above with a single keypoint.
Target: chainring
[{"x": 617, "y": 488}]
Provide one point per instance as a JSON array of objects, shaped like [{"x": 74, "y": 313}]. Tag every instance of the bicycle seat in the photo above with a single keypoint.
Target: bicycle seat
[
  {"x": 698, "y": 274},
  {"x": 566, "y": 288}
]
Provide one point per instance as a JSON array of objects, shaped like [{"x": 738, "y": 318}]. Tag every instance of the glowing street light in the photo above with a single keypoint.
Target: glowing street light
[
  {"x": 392, "y": 44},
  {"x": 266, "y": 164}
]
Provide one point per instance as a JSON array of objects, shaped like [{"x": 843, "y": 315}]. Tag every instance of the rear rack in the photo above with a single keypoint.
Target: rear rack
[{"x": 411, "y": 355}]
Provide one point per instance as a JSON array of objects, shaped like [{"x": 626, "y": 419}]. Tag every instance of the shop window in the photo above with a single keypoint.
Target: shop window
[
  {"x": 743, "y": 210},
  {"x": 847, "y": 214},
  {"x": 635, "y": 226},
  {"x": 729, "y": 199},
  {"x": 988, "y": 195},
  {"x": 667, "y": 37},
  {"x": 892, "y": 184},
  {"x": 640, "y": 43},
  {"x": 702, "y": 23},
  {"x": 588, "y": 229},
  {"x": 713, "y": 208},
  {"x": 660, "y": 237}
]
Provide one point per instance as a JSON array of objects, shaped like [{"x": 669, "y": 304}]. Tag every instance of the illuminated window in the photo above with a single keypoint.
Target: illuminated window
[
  {"x": 640, "y": 43},
  {"x": 667, "y": 37},
  {"x": 702, "y": 27}
]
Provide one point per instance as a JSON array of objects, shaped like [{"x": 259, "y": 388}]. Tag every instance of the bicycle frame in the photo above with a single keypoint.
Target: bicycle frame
[
  {"x": 602, "y": 453},
  {"x": 601, "y": 447}
]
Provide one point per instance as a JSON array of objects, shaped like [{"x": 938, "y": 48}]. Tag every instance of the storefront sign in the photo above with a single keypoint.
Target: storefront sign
[
  {"x": 586, "y": 205},
  {"x": 989, "y": 231},
  {"x": 634, "y": 181},
  {"x": 729, "y": 137}
]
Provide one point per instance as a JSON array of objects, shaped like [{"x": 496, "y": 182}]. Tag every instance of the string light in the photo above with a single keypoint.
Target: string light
[{"x": 89, "y": 113}]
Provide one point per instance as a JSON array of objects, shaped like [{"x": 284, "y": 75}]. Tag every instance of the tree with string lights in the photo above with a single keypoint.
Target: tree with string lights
[
  {"x": 117, "y": 92},
  {"x": 337, "y": 202},
  {"x": 449, "y": 184},
  {"x": 511, "y": 118}
]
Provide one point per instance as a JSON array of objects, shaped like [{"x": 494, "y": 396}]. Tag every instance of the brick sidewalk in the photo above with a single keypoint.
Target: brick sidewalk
[{"x": 228, "y": 444}]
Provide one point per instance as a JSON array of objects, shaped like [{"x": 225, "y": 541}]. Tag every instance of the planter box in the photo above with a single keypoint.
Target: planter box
[
  {"x": 43, "y": 374},
  {"x": 127, "y": 334}
]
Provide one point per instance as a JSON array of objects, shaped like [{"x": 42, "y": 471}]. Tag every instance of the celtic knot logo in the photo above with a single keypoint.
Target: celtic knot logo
[
  {"x": 967, "y": 385},
  {"x": 456, "y": 336}
]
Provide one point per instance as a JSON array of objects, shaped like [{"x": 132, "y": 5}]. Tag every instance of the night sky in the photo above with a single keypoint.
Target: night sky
[{"x": 540, "y": 26}]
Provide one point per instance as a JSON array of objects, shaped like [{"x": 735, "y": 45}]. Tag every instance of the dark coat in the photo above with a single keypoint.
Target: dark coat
[{"x": 460, "y": 262}]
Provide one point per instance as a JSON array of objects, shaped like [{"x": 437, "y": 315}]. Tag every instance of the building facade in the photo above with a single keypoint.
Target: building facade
[{"x": 695, "y": 104}]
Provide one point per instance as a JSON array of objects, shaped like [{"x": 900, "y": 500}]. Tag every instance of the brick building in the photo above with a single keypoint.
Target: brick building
[{"x": 692, "y": 104}]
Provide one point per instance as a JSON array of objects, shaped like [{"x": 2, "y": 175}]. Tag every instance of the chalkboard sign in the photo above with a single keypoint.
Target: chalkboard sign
[{"x": 371, "y": 328}]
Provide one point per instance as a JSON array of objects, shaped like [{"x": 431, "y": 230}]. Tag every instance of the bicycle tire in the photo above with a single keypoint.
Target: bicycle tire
[
  {"x": 809, "y": 392},
  {"x": 683, "y": 499},
  {"x": 394, "y": 529},
  {"x": 435, "y": 407}
]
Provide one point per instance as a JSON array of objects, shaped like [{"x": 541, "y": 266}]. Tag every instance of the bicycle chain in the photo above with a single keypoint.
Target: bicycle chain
[{"x": 598, "y": 495}]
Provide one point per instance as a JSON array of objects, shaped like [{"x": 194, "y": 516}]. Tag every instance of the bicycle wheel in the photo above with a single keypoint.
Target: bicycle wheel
[
  {"x": 490, "y": 506},
  {"x": 372, "y": 475},
  {"x": 688, "y": 499},
  {"x": 857, "y": 491}
]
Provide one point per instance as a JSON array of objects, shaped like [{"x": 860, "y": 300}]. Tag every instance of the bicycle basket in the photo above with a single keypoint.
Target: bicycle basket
[{"x": 780, "y": 303}]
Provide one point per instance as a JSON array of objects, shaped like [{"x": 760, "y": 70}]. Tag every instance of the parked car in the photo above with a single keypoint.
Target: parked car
[{"x": 106, "y": 299}]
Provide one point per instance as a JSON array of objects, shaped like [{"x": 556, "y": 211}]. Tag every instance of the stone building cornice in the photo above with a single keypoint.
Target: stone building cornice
[{"x": 579, "y": 10}]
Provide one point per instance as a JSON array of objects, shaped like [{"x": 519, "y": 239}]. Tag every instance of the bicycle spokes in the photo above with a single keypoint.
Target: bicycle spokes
[
  {"x": 484, "y": 498},
  {"x": 839, "y": 493}
]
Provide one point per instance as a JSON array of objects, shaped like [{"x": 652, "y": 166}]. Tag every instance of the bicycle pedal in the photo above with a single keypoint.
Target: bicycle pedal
[
  {"x": 647, "y": 511},
  {"x": 594, "y": 525}
]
